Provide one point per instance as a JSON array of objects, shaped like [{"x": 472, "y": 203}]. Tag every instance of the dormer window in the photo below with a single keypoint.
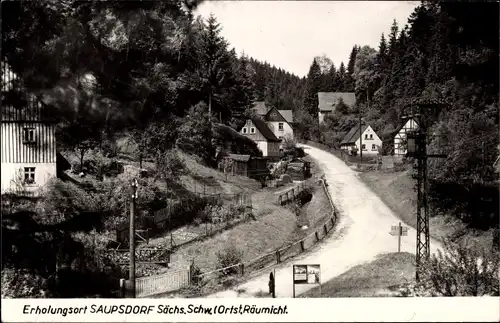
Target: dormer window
[
  {"x": 29, "y": 135},
  {"x": 249, "y": 122}
]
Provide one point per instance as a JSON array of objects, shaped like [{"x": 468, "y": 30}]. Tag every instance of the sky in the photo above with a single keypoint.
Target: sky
[{"x": 289, "y": 34}]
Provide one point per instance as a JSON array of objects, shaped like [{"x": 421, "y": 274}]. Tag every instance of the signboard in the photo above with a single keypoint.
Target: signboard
[
  {"x": 306, "y": 274},
  {"x": 398, "y": 230}
]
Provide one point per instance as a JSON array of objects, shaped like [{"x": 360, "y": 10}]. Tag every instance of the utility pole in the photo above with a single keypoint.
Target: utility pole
[
  {"x": 131, "y": 275},
  {"x": 417, "y": 148}
]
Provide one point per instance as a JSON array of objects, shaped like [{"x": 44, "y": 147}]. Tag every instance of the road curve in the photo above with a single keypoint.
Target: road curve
[{"x": 362, "y": 233}]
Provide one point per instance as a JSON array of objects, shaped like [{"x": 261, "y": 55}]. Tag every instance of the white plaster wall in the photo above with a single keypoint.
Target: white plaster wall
[
  {"x": 274, "y": 126},
  {"x": 11, "y": 171},
  {"x": 263, "y": 147}
]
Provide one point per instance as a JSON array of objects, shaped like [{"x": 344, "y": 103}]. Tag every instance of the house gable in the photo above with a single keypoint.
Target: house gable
[{"x": 274, "y": 115}]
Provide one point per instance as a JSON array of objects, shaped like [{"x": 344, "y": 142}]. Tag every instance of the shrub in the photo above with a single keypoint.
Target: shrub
[
  {"x": 21, "y": 283},
  {"x": 229, "y": 256},
  {"x": 60, "y": 200},
  {"x": 168, "y": 165},
  {"x": 461, "y": 271}
]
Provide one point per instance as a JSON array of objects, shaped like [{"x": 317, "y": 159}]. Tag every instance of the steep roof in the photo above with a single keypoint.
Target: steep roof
[
  {"x": 353, "y": 134},
  {"x": 264, "y": 130},
  {"x": 274, "y": 115},
  {"x": 260, "y": 108},
  {"x": 238, "y": 157},
  {"x": 287, "y": 114},
  {"x": 398, "y": 129},
  {"x": 328, "y": 100}
]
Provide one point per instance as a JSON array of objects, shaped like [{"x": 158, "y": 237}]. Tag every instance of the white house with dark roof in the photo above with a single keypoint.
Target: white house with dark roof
[
  {"x": 327, "y": 102},
  {"x": 368, "y": 139},
  {"x": 257, "y": 130},
  {"x": 280, "y": 122}
]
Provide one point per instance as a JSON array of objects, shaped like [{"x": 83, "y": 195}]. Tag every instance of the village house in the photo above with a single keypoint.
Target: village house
[
  {"x": 257, "y": 130},
  {"x": 327, "y": 102},
  {"x": 28, "y": 141},
  {"x": 279, "y": 121},
  {"x": 400, "y": 136},
  {"x": 369, "y": 140}
]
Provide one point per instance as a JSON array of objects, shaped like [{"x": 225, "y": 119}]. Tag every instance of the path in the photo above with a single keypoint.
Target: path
[{"x": 361, "y": 234}]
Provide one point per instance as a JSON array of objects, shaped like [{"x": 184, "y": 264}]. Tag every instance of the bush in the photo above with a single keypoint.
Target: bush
[
  {"x": 168, "y": 165},
  {"x": 229, "y": 256},
  {"x": 60, "y": 200},
  {"x": 21, "y": 283},
  {"x": 460, "y": 271}
]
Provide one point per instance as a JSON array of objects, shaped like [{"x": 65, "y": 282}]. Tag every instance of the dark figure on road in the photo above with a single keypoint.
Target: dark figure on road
[{"x": 271, "y": 284}]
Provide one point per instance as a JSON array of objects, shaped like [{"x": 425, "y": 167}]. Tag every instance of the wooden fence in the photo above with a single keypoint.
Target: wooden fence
[
  {"x": 292, "y": 193},
  {"x": 159, "y": 284},
  {"x": 169, "y": 282},
  {"x": 279, "y": 255},
  {"x": 166, "y": 219}
]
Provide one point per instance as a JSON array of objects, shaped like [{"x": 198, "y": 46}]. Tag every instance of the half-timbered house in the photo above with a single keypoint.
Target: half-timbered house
[
  {"x": 28, "y": 142},
  {"x": 400, "y": 136}
]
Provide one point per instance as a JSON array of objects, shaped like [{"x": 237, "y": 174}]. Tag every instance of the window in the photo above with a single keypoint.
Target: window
[
  {"x": 363, "y": 146},
  {"x": 280, "y": 126},
  {"x": 371, "y": 136},
  {"x": 374, "y": 147},
  {"x": 29, "y": 135},
  {"x": 252, "y": 130},
  {"x": 280, "y": 137},
  {"x": 29, "y": 175},
  {"x": 249, "y": 122},
  {"x": 366, "y": 136},
  {"x": 245, "y": 130}
]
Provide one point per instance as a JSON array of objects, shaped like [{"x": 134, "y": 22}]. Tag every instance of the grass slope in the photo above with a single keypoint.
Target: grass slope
[
  {"x": 396, "y": 189},
  {"x": 378, "y": 278}
]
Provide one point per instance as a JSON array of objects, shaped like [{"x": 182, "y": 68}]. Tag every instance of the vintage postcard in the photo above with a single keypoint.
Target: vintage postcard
[{"x": 230, "y": 160}]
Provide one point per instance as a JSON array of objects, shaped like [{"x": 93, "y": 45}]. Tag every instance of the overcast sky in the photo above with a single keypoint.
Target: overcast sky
[{"x": 289, "y": 34}]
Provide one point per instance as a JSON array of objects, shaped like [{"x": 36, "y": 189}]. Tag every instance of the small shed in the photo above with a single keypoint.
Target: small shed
[
  {"x": 247, "y": 165},
  {"x": 239, "y": 164}
]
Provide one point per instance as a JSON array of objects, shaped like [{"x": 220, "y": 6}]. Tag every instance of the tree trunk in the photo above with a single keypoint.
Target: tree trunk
[{"x": 82, "y": 153}]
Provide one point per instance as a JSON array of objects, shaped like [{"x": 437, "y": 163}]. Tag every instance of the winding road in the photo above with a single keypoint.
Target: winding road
[{"x": 362, "y": 233}]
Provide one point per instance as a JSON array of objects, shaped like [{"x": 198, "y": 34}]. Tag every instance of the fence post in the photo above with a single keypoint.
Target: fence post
[
  {"x": 280, "y": 200},
  {"x": 331, "y": 220},
  {"x": 242, "y": 269},
  {"x": 278, "y": 257},
  {"x": 302, "y": 248},
  {"x": 122, "y": 287},
  {"x": 326, "y": 229},
  {"x": 316, "y": 234}
]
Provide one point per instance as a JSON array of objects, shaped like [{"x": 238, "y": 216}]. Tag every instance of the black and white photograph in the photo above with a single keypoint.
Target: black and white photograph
[{"x": 220, "y": 149}]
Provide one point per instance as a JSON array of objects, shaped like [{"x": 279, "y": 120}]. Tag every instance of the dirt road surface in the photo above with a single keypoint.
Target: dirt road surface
[{"x": 361, "y": 233}]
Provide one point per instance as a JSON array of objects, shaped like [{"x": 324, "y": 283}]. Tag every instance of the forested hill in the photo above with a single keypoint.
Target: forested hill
[{"x": 114, "y": 68}]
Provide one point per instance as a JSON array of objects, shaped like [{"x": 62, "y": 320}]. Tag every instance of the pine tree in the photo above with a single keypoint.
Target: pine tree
[
  {"x": 393, "y": 41},
  {"x": 341, "y": 78},
  {"x": 215, "y": 62},
  {"x": 312, "y": 88}
]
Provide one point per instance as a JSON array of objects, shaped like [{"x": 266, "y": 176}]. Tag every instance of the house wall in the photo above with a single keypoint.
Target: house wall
[
  {"x": 15, "y": 154},
  {"x": 257, "y": 136},
  {"x": 274, "y": 126},
  {"x": 399, "y": 149},
  {"x": 273, "y": 149},
  {"x": 370, "y": 144},
  {"x": 322, "y": 115},
  {"x": 13, "y": 175},
  {"x": 262, "y": 145}
]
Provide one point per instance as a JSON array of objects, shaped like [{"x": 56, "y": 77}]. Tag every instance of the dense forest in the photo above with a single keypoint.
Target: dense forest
[{"x": 447, "y": 52}]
